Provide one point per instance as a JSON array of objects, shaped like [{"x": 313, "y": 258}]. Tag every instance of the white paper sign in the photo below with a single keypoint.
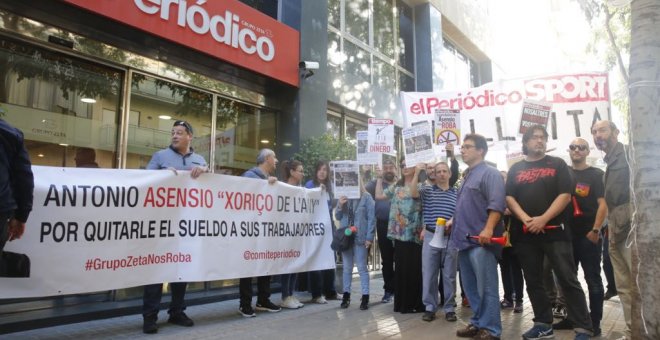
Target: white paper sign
[
  {"x": 346, "y": 178},
  {"x": 381, "y": 135},
  {"x": 364, "y": 157},
  {"x": 418, "y": 144}
]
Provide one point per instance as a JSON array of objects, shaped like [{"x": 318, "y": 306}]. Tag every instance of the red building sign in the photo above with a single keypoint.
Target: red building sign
[{"x": 226, "y": 29}]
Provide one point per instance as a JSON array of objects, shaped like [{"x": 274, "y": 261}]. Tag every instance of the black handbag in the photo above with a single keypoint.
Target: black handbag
[
  {"x": 15, "y": 264},
  {"x": 341, "y": 241}
]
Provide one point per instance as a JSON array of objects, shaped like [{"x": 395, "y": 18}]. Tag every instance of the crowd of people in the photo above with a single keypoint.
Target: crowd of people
[{"x": 538, "y": 221}]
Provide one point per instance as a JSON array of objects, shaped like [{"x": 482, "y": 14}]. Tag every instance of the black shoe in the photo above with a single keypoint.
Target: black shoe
[
  {"x": 150, "y": 326},
  {"x": 180, "y": 319},
  {"x": 428, "y": 316},
  {"x": 268, "y": 306},
  {"x": 246, "y": 311},
  {"x": 451, "y": 316},
  {"x": 332, "y": 296},
  {"x": 387, "y": 298},
  {"x": 597, "y": 332},
  {"x": 563, "y": 324},
  {"x": 610, "y": 294},
  {"x": 346, "y": 300},
  {"x": 364, "y": 304}
]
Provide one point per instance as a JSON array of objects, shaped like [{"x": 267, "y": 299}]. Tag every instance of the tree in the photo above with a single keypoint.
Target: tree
[
  {"x": 325, "y": 147},
  {"x": 644, "y": 90}
]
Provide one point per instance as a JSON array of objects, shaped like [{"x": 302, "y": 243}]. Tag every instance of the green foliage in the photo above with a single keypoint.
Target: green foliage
[{"x": 325, "y": 147}]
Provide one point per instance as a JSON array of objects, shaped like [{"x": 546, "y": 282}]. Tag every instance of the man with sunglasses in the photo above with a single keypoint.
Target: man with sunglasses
[
  {"x": 587, "y": 217},
  {"x": 178, "y": 156}
]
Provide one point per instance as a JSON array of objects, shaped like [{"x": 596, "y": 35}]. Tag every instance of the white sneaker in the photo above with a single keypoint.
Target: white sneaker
[
  {"x": 289, "y": 303},
  {"x": 295, "y": 299},
  {"x": 320, "y": 300}
]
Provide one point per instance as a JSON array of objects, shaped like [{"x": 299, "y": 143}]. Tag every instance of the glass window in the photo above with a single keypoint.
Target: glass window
[
  {"x": 335, "y": 56},
  {"x": 352, "y": 127},
  {"x": 334, "y": 13},
  {"x": 334, "y": 125},
  {"x": 357, "y": 19},
  {"x": 241, "y": 131},
  {"x": 357, "y": 63},
  {"x": 67, "y": 108},
  {"x": 406, "y": 82},
  {"x": 384, "y": 27},
  {"x": 475, "y": 79},
  {"x": 268, "y": 7},
  {"x": 405, "y": 40},
  {"x": 160, "y": 103},
  {"x": 385, "y": 75}
]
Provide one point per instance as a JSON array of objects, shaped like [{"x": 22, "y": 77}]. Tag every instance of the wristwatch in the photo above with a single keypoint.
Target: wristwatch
[{"x": 595, "y": 231}]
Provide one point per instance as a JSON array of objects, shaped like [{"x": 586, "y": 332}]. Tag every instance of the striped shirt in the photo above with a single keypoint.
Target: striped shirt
[{"x": 437, "y": 203}]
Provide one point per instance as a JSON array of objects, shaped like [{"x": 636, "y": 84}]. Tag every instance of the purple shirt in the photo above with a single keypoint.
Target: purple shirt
[{"x": 482, "y": 190}]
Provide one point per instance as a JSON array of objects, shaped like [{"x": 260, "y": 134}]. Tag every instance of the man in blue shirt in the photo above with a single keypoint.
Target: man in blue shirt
[
  {"x": 16, "y": 186},
  {"x": 178, "y": 156},
  {"x": 266, "y": 165},
  {"x": 438, "y": 201},
  {"x": 479, "y": 208}
]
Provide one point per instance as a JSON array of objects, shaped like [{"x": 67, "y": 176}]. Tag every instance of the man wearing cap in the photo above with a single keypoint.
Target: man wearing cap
[{"x": 178, "y": 156}]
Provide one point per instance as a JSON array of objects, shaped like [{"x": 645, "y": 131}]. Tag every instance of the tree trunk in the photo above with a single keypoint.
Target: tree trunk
[{"x": 644, "y": 122}]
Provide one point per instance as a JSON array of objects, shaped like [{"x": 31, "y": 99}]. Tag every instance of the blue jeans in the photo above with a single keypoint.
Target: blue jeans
[
  {"x": 434, "y": 261},
  {"x": 288, "y": 283},
  {"x": 481, "y": 285},
  {"x": 588, "y": 254},
  {"x": 358, "y": 255}
]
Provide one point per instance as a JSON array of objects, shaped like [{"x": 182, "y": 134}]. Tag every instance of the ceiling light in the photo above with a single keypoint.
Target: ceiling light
[
  {"x": 64, "y": 144},
  {"x": 88, "y": 100},
  {"x": 287, "y": 144},
  {"x": 165, "y": 117},
  {"x": 265, "y": 141},
  {"x": 40, "y": 155}
]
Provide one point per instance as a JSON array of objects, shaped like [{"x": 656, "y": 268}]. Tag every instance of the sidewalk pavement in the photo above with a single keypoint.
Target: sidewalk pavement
[{"x": 221, "y": 320}]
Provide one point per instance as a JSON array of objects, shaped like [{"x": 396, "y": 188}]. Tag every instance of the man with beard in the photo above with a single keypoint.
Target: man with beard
[
  {"x": 589, "y": 211},
  {"x": 385, "y": 245},
  {"x": 617, "y": 197},
  {"x": 538, "y": 189}
]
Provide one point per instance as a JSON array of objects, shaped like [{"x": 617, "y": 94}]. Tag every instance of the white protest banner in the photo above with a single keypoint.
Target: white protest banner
[
  {"x": 346, "y": 178},
  {"x": 447, "y": 127},
  {"x": 100, "y": 229},
  {"x": 418, "y": 144},
  {"x": 364, "y": 157},
  {"x": 494, "y": 109},
  {"x": 381, "y": 135}
]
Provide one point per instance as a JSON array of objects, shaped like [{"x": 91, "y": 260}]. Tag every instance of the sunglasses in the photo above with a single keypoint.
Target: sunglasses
[
  {"x": 185, "y": 124},
  {"x": 578, "y": 147}
]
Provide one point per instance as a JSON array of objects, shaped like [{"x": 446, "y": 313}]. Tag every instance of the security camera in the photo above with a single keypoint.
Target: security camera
[{"x": 309, "y": 65}]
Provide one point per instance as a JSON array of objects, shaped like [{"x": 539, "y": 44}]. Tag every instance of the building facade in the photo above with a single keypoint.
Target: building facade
[{"x": 93, "y": 74}]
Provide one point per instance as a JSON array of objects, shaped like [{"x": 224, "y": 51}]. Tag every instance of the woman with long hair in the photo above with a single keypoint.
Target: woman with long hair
[
  {"x": 322, "y": 282},
  {"x": 293, "y": 175},
  {"x": 405, "y": 227}
]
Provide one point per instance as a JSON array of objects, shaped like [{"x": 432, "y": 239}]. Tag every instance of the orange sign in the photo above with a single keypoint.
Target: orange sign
[{"x": 226, "y": 29}]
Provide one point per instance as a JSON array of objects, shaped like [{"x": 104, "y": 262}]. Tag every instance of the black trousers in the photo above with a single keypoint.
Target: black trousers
[
  {"x": 245, "y": 290},
  {"x": 386, "y": 247},
  {"x": 153, "y": 294}
]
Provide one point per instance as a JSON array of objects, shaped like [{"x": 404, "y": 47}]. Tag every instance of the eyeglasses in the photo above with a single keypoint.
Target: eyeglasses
[
  {"x": 577, "y": 146},
  {"x": 467, "y": 146}
]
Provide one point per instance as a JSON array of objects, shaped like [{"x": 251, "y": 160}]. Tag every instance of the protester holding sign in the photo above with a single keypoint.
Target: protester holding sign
[
  {"x": 178, "y": 156},
  {"x": 405, "y": 227},
  {"x": 358, "y": 214},
  {"x": 322, "y": 282},
  {"x": 293, "y": 174},
  {"x": 266, "y": 165}
]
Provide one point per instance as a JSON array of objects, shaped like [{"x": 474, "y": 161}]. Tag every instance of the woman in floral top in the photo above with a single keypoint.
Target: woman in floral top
[{"x": 404, "y": 229}]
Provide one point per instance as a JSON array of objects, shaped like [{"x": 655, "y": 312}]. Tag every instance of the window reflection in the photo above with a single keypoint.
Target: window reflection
[{"x": 60, "y": 103}]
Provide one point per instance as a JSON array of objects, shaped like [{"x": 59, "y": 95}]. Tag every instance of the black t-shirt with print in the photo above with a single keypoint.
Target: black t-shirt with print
[
  {"x": 588, "y": 188},
  {"x": 535, "y": 185}
]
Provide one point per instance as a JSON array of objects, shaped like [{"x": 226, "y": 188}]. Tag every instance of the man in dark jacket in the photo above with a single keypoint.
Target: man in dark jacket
[{"x": 16, "y": 186}]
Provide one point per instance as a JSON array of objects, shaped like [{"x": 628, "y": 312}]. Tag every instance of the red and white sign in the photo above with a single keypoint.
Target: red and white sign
[
  {"x": 227, "y": 29},
  {"x": 494, "y": 110},
  {"x": 380, "y": 135}
]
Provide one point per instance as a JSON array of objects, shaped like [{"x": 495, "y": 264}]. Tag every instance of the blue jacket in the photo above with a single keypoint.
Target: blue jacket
[
  {"x": 364, "y": 217},
  {"x": 16, "y": 179}
]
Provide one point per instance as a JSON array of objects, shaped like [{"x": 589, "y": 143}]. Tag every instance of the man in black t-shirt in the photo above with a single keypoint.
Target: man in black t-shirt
[
  {"x": 588, "y": 214},
  {"x": 538, "y": 189}
]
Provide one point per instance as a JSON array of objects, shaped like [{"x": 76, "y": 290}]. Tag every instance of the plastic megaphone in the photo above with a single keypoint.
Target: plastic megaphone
[
  {"x": 499, "y": 240},
  {"x": 577, "y": 212},
  {"x": 548, "y": 227}
]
